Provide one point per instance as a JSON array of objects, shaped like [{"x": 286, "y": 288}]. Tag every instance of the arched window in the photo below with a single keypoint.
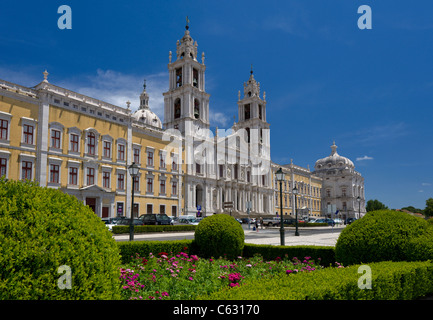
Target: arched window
[
  {"x": 177, "y": 108},
  {"x": 196, "y": 109}
]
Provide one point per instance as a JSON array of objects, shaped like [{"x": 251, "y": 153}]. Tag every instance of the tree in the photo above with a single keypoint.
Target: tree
[
  {"x": 413, "y": 209},
  {"x": 373, "y": 205},
  {"x": 428, "y": 211}
]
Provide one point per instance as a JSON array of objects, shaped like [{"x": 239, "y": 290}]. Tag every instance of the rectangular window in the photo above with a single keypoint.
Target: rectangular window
[
  {"x": 28, "y": 134},
  {"x": 178, "y": 77},
  {"x": 195, "y": 77},
  {"x": 90, "y": 176},
  {"x": 149, "y": 185},
  {"x": 136, "y": 184},
  {"x": 121, "y": 152},
  {"x": 247, "y": 113},
  {"x": 221, "y": 170},
  {"x": 150, "y": 159},
  {"x": 174, "y": 165},
  {"x": 162, "y": 209},
  {"x": 107, "y": 149},
  {"x": 3, "y": 129},
  {"x": 91, "y": 143},
  {"x": 197, "y": 168},
  {"x": 161, "y": 162},
  {"x": 136, "y": 155},
  {"x": 73, "y": 176},
  {"x": 162, "y": 186},
  {"x": 106, "y": 179},
  {"x": 26, "y": 170},
  {"x": 74, "y": 142},
  {"x": 55, "y": 139},
  {"x": 54, "y": 173},
  {"x": 3, "y": 167},
  {"x": 121, "y": 181},
  {"x": 174, "y": 189},
  {"x": 149, "y": 208}
]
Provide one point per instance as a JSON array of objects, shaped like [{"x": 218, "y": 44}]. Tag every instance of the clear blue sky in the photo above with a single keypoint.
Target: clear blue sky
[{"x": 325, "y": 79}]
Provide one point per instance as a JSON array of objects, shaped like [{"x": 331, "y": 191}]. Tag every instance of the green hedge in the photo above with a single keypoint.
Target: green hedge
[
  {"x": 389, "y": 281},
  {"x": 219, "y": 235},
  {"x": 129, "y": 249},
  {"x": 152, "y": 228},
  {"x": 382, "y": 235},
  {"x": 43, "y": 234},
  {"x": 269, "y": 252}
]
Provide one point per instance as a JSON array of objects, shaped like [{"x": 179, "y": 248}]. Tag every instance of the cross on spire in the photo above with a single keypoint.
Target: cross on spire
[{"x": 187, "y": 21}]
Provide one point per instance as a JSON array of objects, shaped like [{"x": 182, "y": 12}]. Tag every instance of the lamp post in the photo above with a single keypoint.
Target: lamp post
[
  {"x": 133, "y": 171},
  {"x": 280, "y": 177},
  {"x": 359, "y": 206},
  {"x": 295, "y": 192}
]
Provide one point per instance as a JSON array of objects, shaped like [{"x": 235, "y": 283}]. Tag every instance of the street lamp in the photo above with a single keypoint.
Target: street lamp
[
  {"x": 133, "y": 171},
  {"x": 359, "y": 206},
  {"x": 295, "y": 192},
  {"x": 280, "y": 177}
]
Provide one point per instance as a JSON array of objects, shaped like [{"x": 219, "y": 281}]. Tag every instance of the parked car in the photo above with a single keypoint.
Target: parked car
[
  {"x": 330, "y": 222},
  {"x": 110, "y": 222},
  {"x": 286, "y": 221},
  {"x": 191, "y": 221},
  {"x": 350, "y": 220},
  {"x": 270, "y": 222},
  {"x": 126, "y": 221},
  {"x": 155, "y": 219}
]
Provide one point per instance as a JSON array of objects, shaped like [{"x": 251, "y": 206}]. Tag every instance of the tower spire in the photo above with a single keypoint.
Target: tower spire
[{"x": 187, "y": 22}]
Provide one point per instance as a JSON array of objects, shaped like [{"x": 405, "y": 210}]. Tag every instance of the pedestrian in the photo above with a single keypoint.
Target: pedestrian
[
  {"x": 261, "y": 222},
  {"x": 257, "y": 225}
]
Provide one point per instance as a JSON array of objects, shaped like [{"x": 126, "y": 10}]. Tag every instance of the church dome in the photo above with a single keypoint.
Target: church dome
[
  {"x": 144, "y": 114},
  {"x": 148, "y": 117},
  {"x": 334, "y": 161}
]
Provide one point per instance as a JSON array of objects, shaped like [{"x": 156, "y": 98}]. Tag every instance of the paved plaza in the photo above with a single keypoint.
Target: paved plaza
[{"x": 318, "y": 236}]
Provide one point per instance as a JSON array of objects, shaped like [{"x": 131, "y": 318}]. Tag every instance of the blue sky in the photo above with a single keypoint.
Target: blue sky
[{"x": 325, "y": 79}]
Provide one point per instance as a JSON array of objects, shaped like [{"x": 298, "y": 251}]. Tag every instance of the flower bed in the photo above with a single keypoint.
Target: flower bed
[{"x": 182, "y": 276}]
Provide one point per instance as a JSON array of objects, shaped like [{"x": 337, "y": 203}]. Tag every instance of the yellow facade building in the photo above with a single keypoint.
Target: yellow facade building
[
  {"x": 308, "y": 198},
  {"x": 83, "y": 146}
]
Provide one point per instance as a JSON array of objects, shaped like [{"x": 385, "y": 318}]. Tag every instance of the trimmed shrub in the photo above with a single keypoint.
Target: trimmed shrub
[
  {"x": 421, "y": 248},
  {"x": 219, "y": 235},
  {"x": 42, "y": 230},
  {"x": 323, "y": 255},
  {"x": 389, "y": 281},
  {"x": 379, "y": 236},
  {"x": 129, "y": 250}
]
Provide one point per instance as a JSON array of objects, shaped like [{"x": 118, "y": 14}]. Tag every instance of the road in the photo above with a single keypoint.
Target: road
[{"x": 326, "y": 236}]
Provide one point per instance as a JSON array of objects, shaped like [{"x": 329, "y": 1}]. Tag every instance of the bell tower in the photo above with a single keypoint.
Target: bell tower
[
  {"x": 186, "y": 103},
  {"x": 252, "y": 114}
]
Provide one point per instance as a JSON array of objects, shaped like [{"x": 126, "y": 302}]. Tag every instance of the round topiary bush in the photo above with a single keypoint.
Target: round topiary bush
[
  {"x": 53, "y": 247},
  {"x": 379, "y": 236},
  {"x": 219, "y": 235}
]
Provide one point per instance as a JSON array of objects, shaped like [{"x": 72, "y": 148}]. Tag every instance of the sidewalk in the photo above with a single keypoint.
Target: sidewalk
[
  {"x": 327, "y": 239},
  {"x": 319, "y": 239}
]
